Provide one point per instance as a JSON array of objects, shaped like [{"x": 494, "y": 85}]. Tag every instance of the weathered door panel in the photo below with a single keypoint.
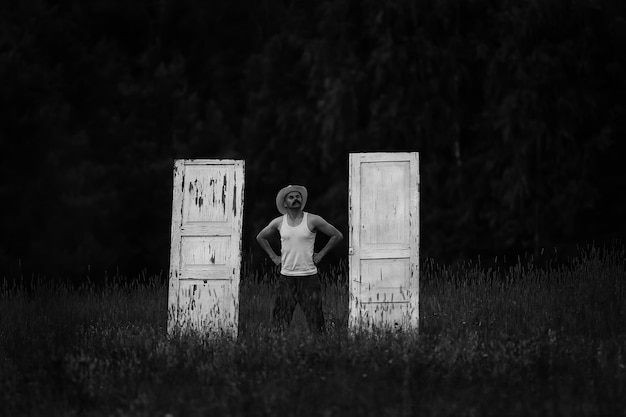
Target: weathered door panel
[
  {"x": 384, "y": 280},
  {"x": 384, "y": 237},
  {"x": 207, "y": 304},
  {"x": 205, "y": 258}
]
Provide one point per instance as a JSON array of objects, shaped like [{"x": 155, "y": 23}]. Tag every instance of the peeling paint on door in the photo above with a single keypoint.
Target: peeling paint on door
[{"x": 205, "y": 256}]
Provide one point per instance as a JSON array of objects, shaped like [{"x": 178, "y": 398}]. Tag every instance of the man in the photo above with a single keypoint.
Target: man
[{"x": 298, "y": 281}]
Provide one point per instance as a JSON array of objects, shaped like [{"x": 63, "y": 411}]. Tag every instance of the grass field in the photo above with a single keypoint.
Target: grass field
[{"x": 492, "y": 342}]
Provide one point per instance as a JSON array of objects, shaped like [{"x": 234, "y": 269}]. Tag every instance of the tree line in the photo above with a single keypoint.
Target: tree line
[{"x": 515, "y": 106}]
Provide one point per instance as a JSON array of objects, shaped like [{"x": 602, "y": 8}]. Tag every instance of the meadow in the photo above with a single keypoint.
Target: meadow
[{"x": 493, "y": 341}]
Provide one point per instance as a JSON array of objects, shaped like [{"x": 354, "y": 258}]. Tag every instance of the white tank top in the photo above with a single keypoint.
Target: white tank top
[{"x": 297, "y": 248}]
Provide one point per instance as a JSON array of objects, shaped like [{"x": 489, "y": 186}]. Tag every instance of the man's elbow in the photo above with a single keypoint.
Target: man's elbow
[{"x": 339, "y": 236}]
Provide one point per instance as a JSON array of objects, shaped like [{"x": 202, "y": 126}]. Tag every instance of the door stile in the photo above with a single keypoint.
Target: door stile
[
  {"x": 175, "y": 244},
  {"x": 354, "y": 251},
  {"x": 414, "y": 223}
]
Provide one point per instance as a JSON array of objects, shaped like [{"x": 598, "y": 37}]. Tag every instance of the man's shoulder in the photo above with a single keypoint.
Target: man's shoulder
[
  {"x": 277, "y": 221},
  {"x": 314, "y": 217}
]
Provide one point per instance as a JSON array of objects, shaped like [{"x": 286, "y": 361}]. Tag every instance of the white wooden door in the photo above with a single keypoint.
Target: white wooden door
[
  {"x": 205, "y": 254},
  {"x": 384, "y": 240}
]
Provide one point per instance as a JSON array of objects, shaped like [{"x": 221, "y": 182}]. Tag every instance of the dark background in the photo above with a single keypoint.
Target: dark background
[{"x": 516, "y": 107}]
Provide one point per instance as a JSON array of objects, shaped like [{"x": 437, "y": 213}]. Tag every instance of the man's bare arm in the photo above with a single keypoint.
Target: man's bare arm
[
  {"x": 329, "y": 230},
  {"x": 262, "y": 237}
]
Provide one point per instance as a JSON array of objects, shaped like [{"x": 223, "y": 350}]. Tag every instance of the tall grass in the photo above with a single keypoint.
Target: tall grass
[{"x": 498, "y": 341}]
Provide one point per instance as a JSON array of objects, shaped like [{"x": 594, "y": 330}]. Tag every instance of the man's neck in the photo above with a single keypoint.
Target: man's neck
[{"x": 295, "y": 214}]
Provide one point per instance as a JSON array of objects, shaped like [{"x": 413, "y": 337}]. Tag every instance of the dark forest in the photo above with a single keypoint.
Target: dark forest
[{"x": 516, "y": 108}]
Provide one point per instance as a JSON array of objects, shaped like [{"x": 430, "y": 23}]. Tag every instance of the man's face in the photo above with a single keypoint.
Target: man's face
[{"x": 293, "y": 200}]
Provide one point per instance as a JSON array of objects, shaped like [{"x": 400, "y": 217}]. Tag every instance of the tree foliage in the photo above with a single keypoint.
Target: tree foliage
[{"x": 515, "y": 107}]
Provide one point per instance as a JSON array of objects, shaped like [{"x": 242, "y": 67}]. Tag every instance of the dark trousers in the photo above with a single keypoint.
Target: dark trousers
[{"x": 306, "y": 291}]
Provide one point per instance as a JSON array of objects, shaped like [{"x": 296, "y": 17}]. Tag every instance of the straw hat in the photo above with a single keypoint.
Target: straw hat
[{"x": 280, "y": 197}]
